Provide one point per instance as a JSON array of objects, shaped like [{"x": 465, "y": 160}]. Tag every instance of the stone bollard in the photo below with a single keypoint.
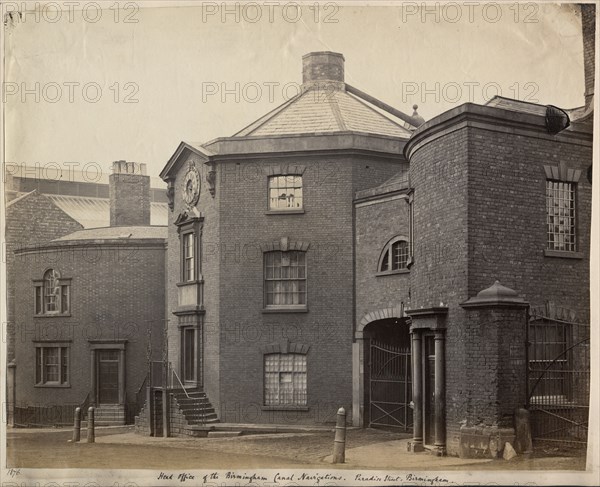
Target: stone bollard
[
  {"x": 77, "y": 425},
  {"x": 91, "y": 437},
  {"x": 339, "y": 443}
]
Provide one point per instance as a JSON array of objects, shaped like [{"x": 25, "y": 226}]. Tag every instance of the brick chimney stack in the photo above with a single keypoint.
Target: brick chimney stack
[
  {"x": 588, "y": 28},
  {"x": 323, "y": 66},
  {"x": 129, "y": 192}
]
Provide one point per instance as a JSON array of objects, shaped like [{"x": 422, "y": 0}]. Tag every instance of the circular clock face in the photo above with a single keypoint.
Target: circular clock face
[{"x": 191, "y": 186}]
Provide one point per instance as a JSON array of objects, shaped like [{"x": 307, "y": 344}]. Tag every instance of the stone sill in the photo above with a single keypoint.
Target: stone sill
[
  {"x": 285, "y": 212},
  {"x": 285, "y": 408},
  {"x": 51, "y": 386},
  {"x": 392, "y": 273},
  {"x": 301, "y": 309},
  {"x": 563, "y": 254},
  {"x": 56, "y": 315}
]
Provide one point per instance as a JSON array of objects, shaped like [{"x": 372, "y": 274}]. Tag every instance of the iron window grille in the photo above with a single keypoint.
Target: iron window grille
[
  {"x": 550, "y": 368},
  {"x": 561, "y": 216},
  {"x": 285, "y": 379}
]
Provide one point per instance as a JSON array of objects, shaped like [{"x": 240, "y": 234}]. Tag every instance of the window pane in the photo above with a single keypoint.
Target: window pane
[
  {"x": 285, "y": 379},
  {"x": 51, "y": 364},
  {"x": 189, "y": 260},
  {"x": 38, "y": 300},
  {"x": 399, "y": 255},
  {"x": 38, "y": 365},
  {"x": 285, "y": 192},
  {"x": 64, "y": 365},
  {"x": 51, "y": 291},
  {"x": 560, "y": 209},
  {"x": 64, "y": 299},
  {"x": 285, "y": 278}
]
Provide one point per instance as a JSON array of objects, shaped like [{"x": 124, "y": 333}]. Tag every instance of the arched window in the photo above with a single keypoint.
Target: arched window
[
  {"x": 395, "y": 255},
  {"x": 52, "y": 294}
]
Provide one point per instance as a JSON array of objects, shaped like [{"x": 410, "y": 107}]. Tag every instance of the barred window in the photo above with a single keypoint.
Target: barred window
[
  {"x": 549, "y": 371},
  {"x": 285, "y": 192},
  {"x": 285, "y": 279},
  {"x": 52, "y": 294},
  {"x": 560, "y": 209},
  {"x": 395, "y": 255},
  {"x": 285, "y": 379},
  {"x": 51, "y": 365}
]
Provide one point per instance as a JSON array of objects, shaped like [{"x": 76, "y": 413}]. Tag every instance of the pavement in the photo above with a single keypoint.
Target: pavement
[{"x": 291, "y": 447}]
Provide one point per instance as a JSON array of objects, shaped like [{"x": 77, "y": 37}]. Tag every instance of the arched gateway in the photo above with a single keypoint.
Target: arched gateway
[{"x": 383, "y": 385}]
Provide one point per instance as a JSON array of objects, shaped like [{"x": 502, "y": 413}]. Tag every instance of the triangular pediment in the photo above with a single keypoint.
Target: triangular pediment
[{"x": 180, "y": 156}]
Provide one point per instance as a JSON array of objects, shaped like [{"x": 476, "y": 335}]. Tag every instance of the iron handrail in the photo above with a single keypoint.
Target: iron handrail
[{"x": 180, "y": 383}]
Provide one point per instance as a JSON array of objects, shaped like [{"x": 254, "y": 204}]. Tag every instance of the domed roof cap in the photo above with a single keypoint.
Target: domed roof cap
[{"x": 496, "y": 294}]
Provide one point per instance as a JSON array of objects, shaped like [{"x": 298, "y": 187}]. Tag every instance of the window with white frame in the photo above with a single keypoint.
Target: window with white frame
[
  {"x": 560, "y": 211},
  {"x": 395, "y": 255},
  {"x": 285, "y": 279},
  {"x": 51, "y": 365},
  {"x": 285, "y": 379},
  {"x": 285, "y": 193},
  {"x": 52, "y": 294}
]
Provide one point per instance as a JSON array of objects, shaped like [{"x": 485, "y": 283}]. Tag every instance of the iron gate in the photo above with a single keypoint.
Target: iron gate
[
  {"x": 558, "y": 380},
  {"x": 390, "y": 386}
]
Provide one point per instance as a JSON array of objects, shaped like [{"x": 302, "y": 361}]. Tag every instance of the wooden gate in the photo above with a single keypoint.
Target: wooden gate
[
  {"x": 390, "y": 386},
  {"x": 558, "y": 380}
]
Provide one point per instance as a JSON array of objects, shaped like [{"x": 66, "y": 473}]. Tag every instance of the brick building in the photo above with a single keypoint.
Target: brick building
[
  {"x": 260, "y": 252},
  {"x": 429, "y": 276},
  {"x": 83, "y": 300}
]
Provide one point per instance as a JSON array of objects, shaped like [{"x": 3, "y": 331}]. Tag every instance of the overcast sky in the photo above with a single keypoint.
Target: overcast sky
[{"x": 108, "y": 88}]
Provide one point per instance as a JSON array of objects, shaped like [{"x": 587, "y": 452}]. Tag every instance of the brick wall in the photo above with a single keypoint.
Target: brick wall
[
  {"x": 508, "y": 239},
  {"x": 376, "y": 223},
  {"x": 588, "y": 25},
  {"x": 31, "y": 220},
  {"x": 480, "y": 216},
  {"x": 210, "y": 246},
  {"x": 117, "y": 291},
  {"x": 329, "y": 184}
]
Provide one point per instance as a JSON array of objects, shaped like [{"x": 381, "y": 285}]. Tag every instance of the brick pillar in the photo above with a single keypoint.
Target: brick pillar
[{"x": 495, "y": 331}]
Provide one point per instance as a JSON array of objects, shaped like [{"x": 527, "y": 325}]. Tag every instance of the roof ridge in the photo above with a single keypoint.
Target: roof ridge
[
  {"x": 358, "y": 99},
  {"x": 337, "y": 112},
  {"x": 267, "y": 116}
]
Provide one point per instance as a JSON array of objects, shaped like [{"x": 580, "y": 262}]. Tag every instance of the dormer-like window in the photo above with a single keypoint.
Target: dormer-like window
[
  {"x": 52, "y": 294},
  {"x": 394, "y": 256},
  {"x": 285, "y": 193}
]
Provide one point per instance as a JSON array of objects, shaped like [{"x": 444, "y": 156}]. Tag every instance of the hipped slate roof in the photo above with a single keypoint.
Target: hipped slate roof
[{"x": 325, "y": 111}]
